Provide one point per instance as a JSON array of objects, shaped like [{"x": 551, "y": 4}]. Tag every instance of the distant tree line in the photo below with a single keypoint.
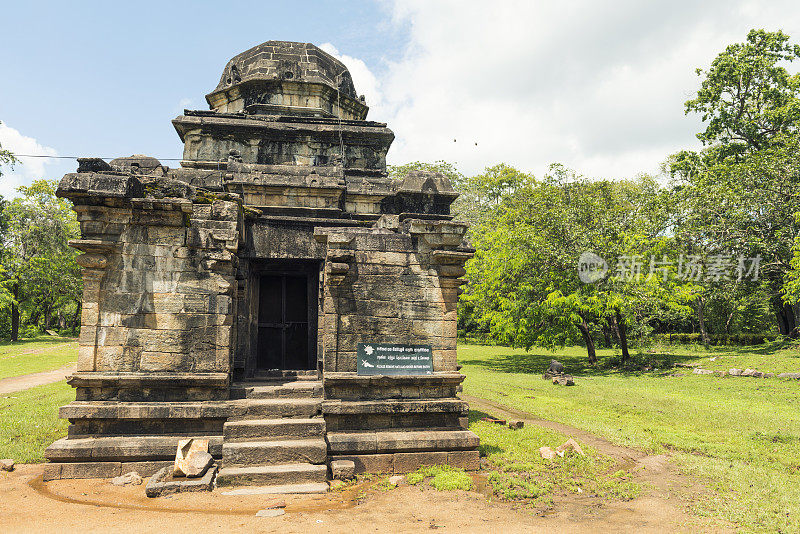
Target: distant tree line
[
  {"x": 40, "y": 283},
  {"x": 712, "y": 255}
]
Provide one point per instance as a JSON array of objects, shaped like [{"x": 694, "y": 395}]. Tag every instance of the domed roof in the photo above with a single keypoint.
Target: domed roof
[{"x": 286, "y": 60}]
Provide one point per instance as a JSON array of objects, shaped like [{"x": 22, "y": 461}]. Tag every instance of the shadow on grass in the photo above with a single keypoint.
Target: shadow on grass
[
  {"x": 485, "y": 448},
  {"x": 537, "y": 363}
]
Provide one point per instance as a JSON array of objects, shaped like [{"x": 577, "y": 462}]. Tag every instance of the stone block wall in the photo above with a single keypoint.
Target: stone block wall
[
  {"x": 159, "y": 283},
  {"x": 157, "y": 326},
  {"x": 396, "y": 282}
]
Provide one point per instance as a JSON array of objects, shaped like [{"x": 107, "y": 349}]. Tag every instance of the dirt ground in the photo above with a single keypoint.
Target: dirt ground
[
  {"x": 30, "y": 505},
  {"x": 18, "y": 383}
]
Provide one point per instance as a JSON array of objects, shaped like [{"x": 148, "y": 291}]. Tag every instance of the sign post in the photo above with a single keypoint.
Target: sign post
[{"x": 394, "y": 359}]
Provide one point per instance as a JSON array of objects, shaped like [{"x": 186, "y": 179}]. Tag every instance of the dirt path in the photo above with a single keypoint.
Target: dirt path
[
  {"x": 504, "y": 412},
  {"x": 85, "y": 506},
  {"x": 18, "y": 383},
  {"x": 671, "y": 492}
]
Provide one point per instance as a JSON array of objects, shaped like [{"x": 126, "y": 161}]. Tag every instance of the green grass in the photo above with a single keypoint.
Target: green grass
[
  {"x": 776, "y": 357},
  {"x": 29, "y": 421},
  {"x": 741, "y": 433},
  {"x": 519, "y": 473},
  {"x": 441, "y": 477},
  {"x": 43, "y": 353}
]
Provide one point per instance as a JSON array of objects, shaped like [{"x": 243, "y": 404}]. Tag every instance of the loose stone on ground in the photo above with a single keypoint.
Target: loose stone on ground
[{"x": 128, "y": 479}]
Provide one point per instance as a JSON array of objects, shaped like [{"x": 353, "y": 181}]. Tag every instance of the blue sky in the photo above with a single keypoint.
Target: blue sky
[
  {"x": 598, "y": 86},
  {"x": 106, "y": 78}
]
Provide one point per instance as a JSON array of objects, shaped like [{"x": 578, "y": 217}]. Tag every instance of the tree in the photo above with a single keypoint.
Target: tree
[
  {"x": 40, "y": 266},
  {"x": 747, "y": 98},
  {"x": 6, "y": 296},
  {"x": 740, "y": 194},
  {"x": 524, "y": 286}
]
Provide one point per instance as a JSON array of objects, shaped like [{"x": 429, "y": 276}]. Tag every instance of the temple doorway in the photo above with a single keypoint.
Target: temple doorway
[{"x": 287, "y": 313}]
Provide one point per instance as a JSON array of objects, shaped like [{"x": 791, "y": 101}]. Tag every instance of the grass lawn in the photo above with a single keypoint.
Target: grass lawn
[
  {"x": 29, "y": 421},
  {"x": 741, "y": 434},
  {"x": 43, "y": 353},
  {"x": 519, "y": 473}
]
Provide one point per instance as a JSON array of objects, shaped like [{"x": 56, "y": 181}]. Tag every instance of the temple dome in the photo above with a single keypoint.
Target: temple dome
[{"x": 280, "y": 68}]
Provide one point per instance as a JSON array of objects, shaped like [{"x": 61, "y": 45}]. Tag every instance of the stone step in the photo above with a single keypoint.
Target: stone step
[
  {"x": 287, "y": 489},
  {"x": 273, "y": 475},
  {"x": 270, "y": 408},
  {"x": 273, "y": 429},
  {"x": 123, "y": 448},
  {"x": 277, "y": 390},
  {"x": 239, "y": 454},
  {"x": 389, "y": 441}
]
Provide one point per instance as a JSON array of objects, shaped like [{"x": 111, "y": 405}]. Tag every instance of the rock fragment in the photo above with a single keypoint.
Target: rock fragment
[
  {"x": 564, "y": 380},
  {"x": 192, "y": 458},
  {"x": 270, "y": 512},
  {"x": 7, "y": 464},
  {"x": 128, "y": 479},
  {"x": 570, "y": 446},
  {"x": 343, "y": 469},
  {"x": 547, "y": 453}
]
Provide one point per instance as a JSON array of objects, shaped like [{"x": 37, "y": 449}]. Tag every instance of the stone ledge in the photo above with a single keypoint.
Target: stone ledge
[
  {"x": 160, "y": 485},
  {"x": 405, "y": 462},
  {"x": 353, "y": 379},
  {"x": 145, "y": 410},
  {"x": 340, "y": 407},
  {"x": 94, "y": 379},
  {"x": 66, "y": 470},
  {"x": 123, "y": 448},
  {"x": 428, "y": 440}
]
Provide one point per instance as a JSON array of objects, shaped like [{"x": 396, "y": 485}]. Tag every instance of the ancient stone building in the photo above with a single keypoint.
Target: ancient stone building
[{"x": 229, "y": 298}]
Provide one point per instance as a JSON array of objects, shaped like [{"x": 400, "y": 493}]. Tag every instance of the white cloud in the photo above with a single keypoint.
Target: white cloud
[
  {"x": 28, "y": 168},
  {"x": 183, "y": 103},
  {"x": 364, "y": 80},
  {"x": 599, "y": 87}
]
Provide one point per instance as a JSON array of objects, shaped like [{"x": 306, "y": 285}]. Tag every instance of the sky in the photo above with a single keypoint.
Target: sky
[{"x": 597, "y": 86}]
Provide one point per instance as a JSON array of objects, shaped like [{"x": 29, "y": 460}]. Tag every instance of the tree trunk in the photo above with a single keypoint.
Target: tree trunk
[
  {"x": 791, "y": 321},
  {"x": 701, "y": 304},
  {"x": 76, "y": 319},
  {"x": 784, "y": 313},
  {"x": 622, "y": 335},
  {"x": 607, "y": 335},
  {"x": 47, "y": 318},
  {"x": 587, "y": 338},
  {"x": 15, "y": 314}
]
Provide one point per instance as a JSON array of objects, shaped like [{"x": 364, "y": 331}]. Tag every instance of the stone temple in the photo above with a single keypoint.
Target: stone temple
[{"x": 229, "y": 299}]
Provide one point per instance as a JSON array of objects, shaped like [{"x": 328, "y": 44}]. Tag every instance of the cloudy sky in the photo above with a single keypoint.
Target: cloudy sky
[{"x": 598, "y": 86}]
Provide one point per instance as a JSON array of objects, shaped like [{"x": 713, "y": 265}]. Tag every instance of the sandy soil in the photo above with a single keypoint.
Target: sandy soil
[
  {"x": 18, "y": 383},
  {"x": 30, "y": 505}
]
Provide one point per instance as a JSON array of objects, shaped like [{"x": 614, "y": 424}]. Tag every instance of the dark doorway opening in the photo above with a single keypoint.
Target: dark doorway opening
[{"x": 287, "y": 317}]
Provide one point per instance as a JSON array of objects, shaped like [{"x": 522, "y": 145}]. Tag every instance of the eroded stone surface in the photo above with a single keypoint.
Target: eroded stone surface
[{"x": 284, "y": 174}]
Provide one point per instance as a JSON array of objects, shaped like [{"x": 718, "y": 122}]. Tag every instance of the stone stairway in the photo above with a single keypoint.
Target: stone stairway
[{"x": 275, "y": 438}]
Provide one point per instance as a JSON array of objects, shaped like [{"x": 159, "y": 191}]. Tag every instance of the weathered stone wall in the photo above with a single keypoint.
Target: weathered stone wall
[
  {"x": 158, "y": 321},
  {"x": 400, "y": 284},
  {"x": 158, "y": 282},
  {"x": 397, "y": 282}
]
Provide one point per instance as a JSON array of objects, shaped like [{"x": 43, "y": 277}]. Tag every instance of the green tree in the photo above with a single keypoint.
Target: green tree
[
  {"x": 40, "y": 267},
  {"x": 747, "y": 98},
  {"x": 524, "y": 286},
  {"x": 740, "y": 194}
]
